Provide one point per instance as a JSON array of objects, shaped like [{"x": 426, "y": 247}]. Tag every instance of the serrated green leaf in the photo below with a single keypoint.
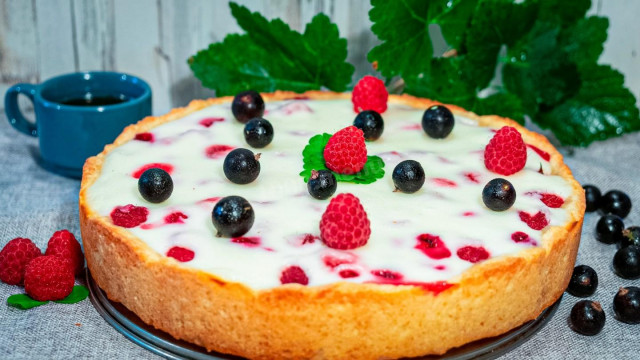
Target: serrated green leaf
[
  {"x": 494, "y": 24},
  {"x": 549, "y": 68},
  {"x": 78, "y": 294},
  {"x": 329, "y": 53},
  {"x": 505, "y": 104},
  {"x": 272, "y": 57},
  {"x": 402, "y": 46},
  {"x": 23, "y": 301},
  {"x": 453, "y": 17},
  {"x": 407, "y": 50},
  {"x": 584, "y": 41},
  {"x": 538, "y": 71},
  {"x": 313, "y": 159},
  {"x": 603, "y": 108},
  {"x": 443, "y": 82},
  {"x": 562, "y": 11}
]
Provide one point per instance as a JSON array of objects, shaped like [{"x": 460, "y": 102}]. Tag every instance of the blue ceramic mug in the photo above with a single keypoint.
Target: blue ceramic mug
[{"x": 78, "y": 114}]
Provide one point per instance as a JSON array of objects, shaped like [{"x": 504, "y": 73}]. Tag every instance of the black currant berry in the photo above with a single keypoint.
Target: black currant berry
[
  {"x": 155, "y": 185},
  {"x": 258, "y": 132},
  {"x": 626, "y": 262},
  {"x": 615, "y": 202},
  {"x": 371, "y": 123},
  {"x": 609, "y": 229},
  {"x": 587, "y": 317},
  {"x": 630, "y": 236},
  {"x": 408, "y": 176},
  {"x": 437, "y": 122},
  {"x": 626, "y": 305},
  {"x": 498, "y": 194},
  {"x": 241, "y": 166},
  {"x": 247, "y": 105},
  {"x": 322, "y": 184},
  {"x": 592, "y": 196},
  {"x": 232, "y": 216},
  {"x": 584, "y": 281}
]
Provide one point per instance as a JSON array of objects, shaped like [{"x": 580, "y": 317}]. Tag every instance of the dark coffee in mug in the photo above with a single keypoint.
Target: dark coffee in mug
[
  {"x": 95, "y": 100},
  {"x": 78, "y": 114}
]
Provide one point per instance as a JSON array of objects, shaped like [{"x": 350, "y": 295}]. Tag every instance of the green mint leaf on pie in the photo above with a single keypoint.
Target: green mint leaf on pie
[
  {"x": 535, "y": 59},
  {"x": 313, "y": 159},
  {"x": 78, "y": 294},
  {"x": 23, "y": 301},
  {"x": 271, "y": 56},
  {"x": 312, "y": 155}
]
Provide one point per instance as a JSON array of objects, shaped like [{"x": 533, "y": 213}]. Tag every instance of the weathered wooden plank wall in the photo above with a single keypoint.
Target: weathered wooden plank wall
[{"x": 154, "y": 38}]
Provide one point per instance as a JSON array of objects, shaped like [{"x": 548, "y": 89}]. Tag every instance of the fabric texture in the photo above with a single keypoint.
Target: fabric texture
[{"x": 36, "y": 203}]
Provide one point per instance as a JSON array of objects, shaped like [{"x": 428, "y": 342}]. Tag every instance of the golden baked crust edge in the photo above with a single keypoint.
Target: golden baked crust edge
[{"x": 337, "y": 321}]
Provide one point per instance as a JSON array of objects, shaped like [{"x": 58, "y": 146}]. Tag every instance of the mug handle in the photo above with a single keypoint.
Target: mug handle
[{"x": 11, "y": 108}]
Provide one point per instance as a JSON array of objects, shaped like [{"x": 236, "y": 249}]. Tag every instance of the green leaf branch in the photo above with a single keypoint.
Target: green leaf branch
[
  {"x": 519, "y": 59},
  {"x": 271, "y": 56},
  {"x": 549, "y": 73}
]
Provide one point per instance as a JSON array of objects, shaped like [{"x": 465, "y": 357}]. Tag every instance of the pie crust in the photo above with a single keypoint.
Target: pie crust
[{"x": 336, "y": 321}]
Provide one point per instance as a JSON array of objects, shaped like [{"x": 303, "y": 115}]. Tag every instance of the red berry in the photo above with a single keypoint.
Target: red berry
[
  {"x": 370, "y": 94},
  {"x": 247, "y": 241},
  {"x": 543, "y": 154},
  {"x": 207, "y": 122},
  {"x": 519, "y": 237},
  {"x": 552, "y": 200},
  {"x": 432, "y": 246},
  {"x": 346, "y": 152},
  {"x": 129, "y": 216},
  {"x": 48, "y": 278},
  {"x": 348, "y": 273},
  {"x": 175, "y": 218},
  {"x": 217, "y": 151},
  {"x": 181, "y": 254},
  {"x": 387, "y": 274},
  {"x": 536, "y": 222},
  {"x": 294, "y": 275},
  {"x": 166, "y": 167},
  {"x": 14, "y": 257},
  {"x": 145, "y": 136},
  {"x": 506, "y": 153},
  {"x": 65, "y": 245},
  {"x": 473, "y": 254},
  {"x": 344, "y": 224}
]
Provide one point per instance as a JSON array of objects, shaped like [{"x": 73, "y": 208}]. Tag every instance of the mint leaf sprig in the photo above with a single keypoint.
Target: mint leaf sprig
[
  {"x": 25, "y": 302},
  {"x": 271, "y": 56},
  {"x": 313, "y": 159}
]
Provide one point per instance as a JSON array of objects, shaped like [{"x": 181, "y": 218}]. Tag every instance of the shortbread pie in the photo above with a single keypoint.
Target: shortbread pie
[{"x": 439, "y": 269}]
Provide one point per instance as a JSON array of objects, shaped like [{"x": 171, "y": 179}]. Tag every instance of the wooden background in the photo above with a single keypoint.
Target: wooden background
[{"x": 154, "y": 38}]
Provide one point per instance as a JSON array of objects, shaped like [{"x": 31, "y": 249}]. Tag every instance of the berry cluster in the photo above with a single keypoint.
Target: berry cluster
[
  {"x": 48, "y": 277},
  {"x": 615, "y": 205},
  {"x": 587, "y": 316}
]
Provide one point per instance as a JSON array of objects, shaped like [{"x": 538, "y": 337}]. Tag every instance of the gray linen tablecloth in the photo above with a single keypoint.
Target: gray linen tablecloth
[{"x": 35, "y": 203}]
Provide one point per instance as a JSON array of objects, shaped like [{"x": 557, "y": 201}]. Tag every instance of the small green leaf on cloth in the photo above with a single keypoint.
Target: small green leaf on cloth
[
  {"x": 78, "y": 294},
  {"x": 23, "y": 301},
  {"x": 313, "y": 159}
]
